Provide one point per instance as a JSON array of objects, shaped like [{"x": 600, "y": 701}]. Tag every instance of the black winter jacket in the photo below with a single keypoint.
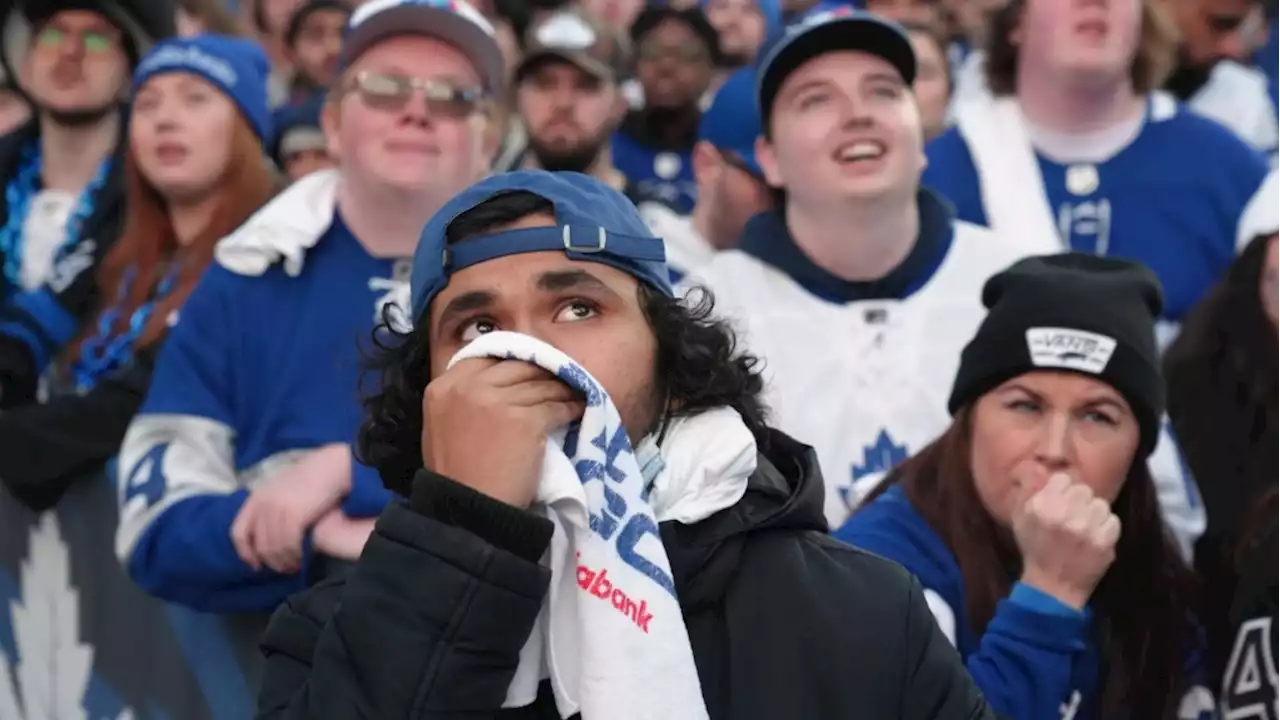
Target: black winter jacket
[
  {"x": 46, "y": 447},
  {"x": 1248, "y": 683},
  {"x": 36, "y": 332},
  {"x": 784, "y": 621}
]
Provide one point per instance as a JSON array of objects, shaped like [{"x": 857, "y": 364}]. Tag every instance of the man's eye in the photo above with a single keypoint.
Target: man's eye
[
  {"x": 96, "y": 42},
  {"x": 812, "y": 100},
  {"x": 577, "y": 311},
  {"x": 50, "y": 37},
  {"x": 475, "y": 329}
]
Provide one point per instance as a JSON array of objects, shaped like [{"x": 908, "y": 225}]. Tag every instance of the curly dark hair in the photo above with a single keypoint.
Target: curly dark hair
[{"x": 698, "y": 365}]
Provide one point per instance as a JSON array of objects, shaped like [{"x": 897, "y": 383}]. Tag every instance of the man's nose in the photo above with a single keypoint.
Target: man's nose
[
  {"x": 72, "y": 47},
  {"x": 417, "y": 109},
  {"x": 855, "y": 114},
  {"x": 563, "y": 96},
  {"x": 333, "y": 45}
]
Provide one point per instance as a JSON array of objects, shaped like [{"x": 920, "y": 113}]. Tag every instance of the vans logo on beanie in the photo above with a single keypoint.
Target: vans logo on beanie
[{"x": 1069, "y": 348}]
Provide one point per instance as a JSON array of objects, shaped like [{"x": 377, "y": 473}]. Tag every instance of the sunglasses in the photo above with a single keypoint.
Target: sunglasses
[
  {"x": 91, "y": 40},
  {"x": 393, "y": 92}
]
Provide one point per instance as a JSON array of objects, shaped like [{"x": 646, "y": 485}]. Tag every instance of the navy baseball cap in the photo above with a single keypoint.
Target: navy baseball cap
[
  {"x": 829, "y": 28},
  {"x": 594, "y": 222},
  {"x": 453, "y": 21},
  {"x": 732, "y": 123}
]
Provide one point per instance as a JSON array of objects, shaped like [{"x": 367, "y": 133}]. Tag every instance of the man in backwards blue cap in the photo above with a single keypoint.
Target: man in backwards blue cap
[{"x": 782, "y": 621}]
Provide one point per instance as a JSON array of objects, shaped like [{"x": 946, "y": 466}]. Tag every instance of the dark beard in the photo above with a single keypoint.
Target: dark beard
[
  {"x": 576, "y": 159},
  {"x": 80, "y": 118},
  {"x": 1187, "y": 78}
]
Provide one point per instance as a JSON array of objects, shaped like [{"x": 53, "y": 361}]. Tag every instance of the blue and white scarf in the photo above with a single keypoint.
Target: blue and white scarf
[{"x": 611, "y": 636}]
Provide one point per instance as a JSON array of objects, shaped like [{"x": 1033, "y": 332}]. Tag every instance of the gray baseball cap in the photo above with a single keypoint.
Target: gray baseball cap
[
  {"x": 453, "y": 21},
  {"x": 576, "y": 38}
]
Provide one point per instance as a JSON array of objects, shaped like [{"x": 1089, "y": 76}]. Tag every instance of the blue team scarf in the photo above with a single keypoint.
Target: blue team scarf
[
  {"x": 107, "y": 350},
  {"x": 18, "y": 194}
]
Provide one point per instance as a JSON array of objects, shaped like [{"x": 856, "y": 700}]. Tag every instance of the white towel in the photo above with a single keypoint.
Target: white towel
[
  {"x": 1009, "y": 176},
  {"x": 284, "y": 229},
  {"x": 611, "y": 636}
]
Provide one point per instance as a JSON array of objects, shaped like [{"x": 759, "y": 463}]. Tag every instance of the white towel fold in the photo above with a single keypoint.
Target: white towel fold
[
  {"x": 1009, "y": 176},
  {"x": 611, "y": 636},
  {"x": 284, "y": 229}
]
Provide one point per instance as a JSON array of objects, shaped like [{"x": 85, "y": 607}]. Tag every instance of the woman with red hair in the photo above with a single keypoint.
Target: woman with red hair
[{"x": 195, "y": 171}]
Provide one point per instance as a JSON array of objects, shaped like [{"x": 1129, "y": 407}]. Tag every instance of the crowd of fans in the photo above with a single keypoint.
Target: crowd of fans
[{"x": 990, "y": 289}]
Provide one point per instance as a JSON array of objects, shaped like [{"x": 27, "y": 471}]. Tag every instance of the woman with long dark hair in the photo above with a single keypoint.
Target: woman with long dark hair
[
  {"x": 1032, "y": 521},
  {"x": 195, "y": 171},
  {"x": 1223, "y": 375},
  {"x": 1250, "y": 679}
]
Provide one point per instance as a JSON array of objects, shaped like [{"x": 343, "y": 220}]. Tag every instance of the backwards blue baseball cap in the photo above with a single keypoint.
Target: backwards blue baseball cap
[
  {"x": 455, "y": 22},
  {"x": 594, "y": 222},
  {"x": 828, "y": 28},
  {"x": 236, "y": 67},
  {"x": 732, "y": 123}
]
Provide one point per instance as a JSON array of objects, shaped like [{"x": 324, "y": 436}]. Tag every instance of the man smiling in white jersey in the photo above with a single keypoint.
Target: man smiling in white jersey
[{"x": 860, "y": 291}]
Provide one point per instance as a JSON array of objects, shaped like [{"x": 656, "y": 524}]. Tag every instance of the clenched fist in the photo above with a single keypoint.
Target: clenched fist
[
  {"x": 1067, "y": 537},
  {"x": 486, "y": 421}
]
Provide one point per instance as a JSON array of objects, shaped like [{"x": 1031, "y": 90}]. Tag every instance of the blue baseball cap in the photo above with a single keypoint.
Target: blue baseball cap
[
  {"x": 297, "y": 128},
  {"x": 732, "y": 123},
  {"x": 238, "y": 68},
  {"x": 453, "y": 21},
  {"x": 827, "y": 28},
  {"x": 594, "y": 222}
]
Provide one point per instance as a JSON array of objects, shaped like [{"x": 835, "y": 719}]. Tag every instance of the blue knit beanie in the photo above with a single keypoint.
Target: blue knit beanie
[{"x": 237, "y": 67}]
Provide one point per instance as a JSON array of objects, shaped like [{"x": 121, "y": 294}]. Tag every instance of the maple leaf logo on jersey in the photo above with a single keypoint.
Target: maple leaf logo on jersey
[{"x": 877, "y": 459}]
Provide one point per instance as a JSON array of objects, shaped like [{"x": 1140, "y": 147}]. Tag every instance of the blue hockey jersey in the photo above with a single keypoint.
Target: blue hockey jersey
[
  {"x": 1037, "y": 658},
  {"x": 1170, "y": 194},
  {"x": 664, "y": 175},
  {"x": 264, "y": 363}
]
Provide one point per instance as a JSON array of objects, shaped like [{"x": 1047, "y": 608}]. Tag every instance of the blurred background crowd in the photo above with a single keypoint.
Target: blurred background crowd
[{"x": 138, "y": 135}]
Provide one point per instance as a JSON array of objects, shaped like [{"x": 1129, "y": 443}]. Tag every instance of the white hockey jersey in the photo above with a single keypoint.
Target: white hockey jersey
[{"x": 864, "y": 382}]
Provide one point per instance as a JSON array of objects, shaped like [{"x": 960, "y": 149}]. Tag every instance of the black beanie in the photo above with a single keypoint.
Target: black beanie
[{"x": 1077, "y": 312}]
